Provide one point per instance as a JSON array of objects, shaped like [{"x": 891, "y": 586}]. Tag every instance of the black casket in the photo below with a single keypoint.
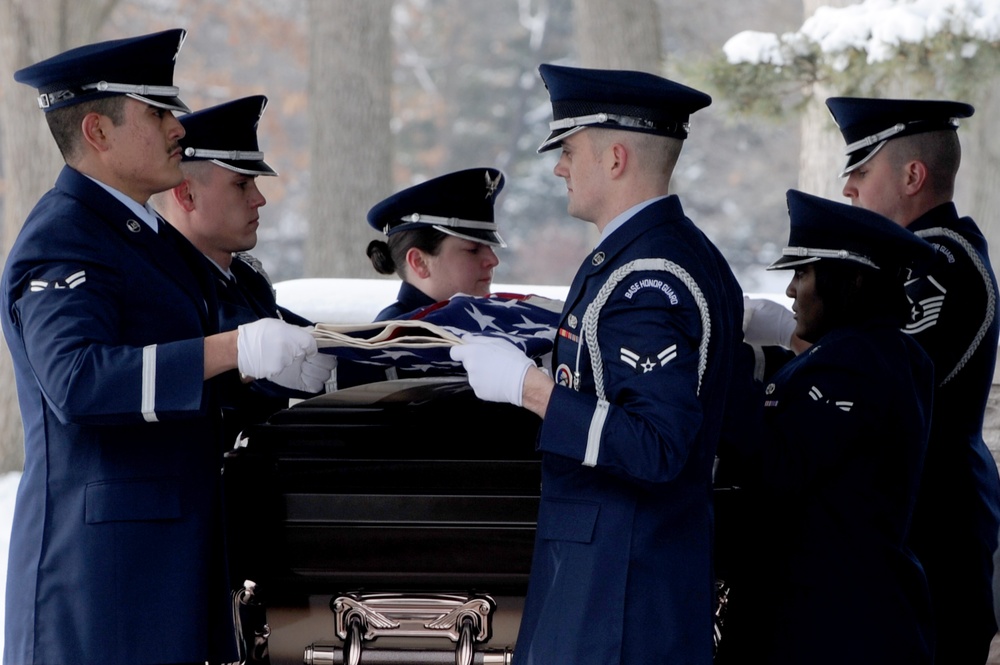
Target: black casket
[
  {"x": 392, "y": 503},
  {"x": 393, "y": 523}
]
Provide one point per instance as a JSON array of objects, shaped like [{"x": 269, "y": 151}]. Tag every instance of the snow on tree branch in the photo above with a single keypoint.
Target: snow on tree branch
[{"x": 946, "y": 44}]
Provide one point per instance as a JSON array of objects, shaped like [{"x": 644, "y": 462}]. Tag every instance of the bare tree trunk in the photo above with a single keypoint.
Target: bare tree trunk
[
  {"x": 30, "y": 30},
  {"x": 978, "y": 186},
  {"x": 618, "y": 35},
  {"x": 821, "y": 156},
  {"x": 351, "y": 144}
]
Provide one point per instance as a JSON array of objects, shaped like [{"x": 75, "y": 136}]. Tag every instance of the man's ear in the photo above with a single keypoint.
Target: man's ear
[
  {"x": 183, "y": 195},
  {"x": 416, "y": 263},
  {"x": 618, "y": 154},
  {"x": 93, "y": 127},
  {"x": 914, "y": 176}
]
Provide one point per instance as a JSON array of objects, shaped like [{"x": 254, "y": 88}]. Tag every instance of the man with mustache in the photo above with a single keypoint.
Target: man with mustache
[{"x": 116, "y": 553}]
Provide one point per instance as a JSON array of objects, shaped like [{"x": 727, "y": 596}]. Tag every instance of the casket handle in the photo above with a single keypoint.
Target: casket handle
[
  {"x": 464, "y": 652},
  {"x": 352, "y": 643}
]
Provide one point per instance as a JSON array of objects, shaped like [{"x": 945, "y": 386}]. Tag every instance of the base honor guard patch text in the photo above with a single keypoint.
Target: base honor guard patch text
[{"x": 652, "y": 283}]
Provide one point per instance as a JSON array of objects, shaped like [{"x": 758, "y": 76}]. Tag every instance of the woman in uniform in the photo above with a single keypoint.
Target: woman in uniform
[
  {"x": 834, "y": 473},
  {"x": 440, "y": 237}
]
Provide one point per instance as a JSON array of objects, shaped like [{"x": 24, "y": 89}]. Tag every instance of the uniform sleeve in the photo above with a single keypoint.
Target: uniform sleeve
[
  {"x": 951, "y": 308},
  {"x": 649, "y": 422},
  {"x": 68, "y": 315}
]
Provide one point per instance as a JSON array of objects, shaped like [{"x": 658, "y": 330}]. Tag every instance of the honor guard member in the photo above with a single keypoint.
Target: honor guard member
[
  {"x": 622, "y": 571},
  {"x": 216, "y": 207},
  {"x": 116, "y": 552},
  {"x": 828, "y": 576},
  {"x": 440, "y": 239},
  {"x": 902, "y": 159}
]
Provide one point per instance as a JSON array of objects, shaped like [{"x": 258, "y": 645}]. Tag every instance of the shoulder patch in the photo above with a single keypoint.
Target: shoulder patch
[{"x": 655, "y": 284}]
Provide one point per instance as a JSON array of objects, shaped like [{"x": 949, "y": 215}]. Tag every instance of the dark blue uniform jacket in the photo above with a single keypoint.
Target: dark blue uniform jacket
[
  {"x": 408, "y": 299},
  {"x": 246, "y": 298},
  {"x": 827, "y": 576},
  {"x": 116, "y": 550},
  {"x": 622, "y": 570},
  {"x": 958, "y": 511}
]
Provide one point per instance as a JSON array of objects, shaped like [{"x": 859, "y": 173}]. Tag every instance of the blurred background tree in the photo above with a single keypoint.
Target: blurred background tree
[
  {"x": 31, "y": 30},
  {"x": 944, "y": 49},
  {"x": 370, "y": 96}
]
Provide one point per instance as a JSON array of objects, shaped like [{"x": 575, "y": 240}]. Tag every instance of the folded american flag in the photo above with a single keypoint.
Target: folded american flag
[{"x": 420, "y": 343}]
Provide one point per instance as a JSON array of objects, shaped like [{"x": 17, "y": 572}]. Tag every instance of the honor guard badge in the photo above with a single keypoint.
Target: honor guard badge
[{"x": 564, "y": 377}]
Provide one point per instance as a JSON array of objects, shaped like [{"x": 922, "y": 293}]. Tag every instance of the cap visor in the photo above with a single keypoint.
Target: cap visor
[
  {"x": 246, "y": 167},
  {"x": 556, "y": 137},
  {"x": 170, "y": 103},
  {"x": 491, "y": 238},
  {"x": 859, "y": 157},
  {"x": 788, "y": 262}
]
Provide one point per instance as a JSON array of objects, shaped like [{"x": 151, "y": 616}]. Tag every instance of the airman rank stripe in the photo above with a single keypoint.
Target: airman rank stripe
[
  {"x": 71, "y": 282},
  {"x": 635, "y": 361},
  {"x": 817, "y": 395},
  {"x": 667, "y": 354},
  {"x": 630, "y": 358}
]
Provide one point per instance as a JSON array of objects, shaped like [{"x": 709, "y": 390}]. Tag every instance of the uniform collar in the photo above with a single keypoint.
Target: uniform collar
[
  {"x": 620, "y": 220},
  {"x": 942, "y": 214},
  {"x": 143, "y": 212}
]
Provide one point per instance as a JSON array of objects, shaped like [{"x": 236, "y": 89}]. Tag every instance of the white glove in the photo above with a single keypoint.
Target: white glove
[
  {"x": 317, "y": 371},
  {"x": 496, "y": 367},
  {"x": 280, "y": 352},
  {"x": 309, "y": 374},
  {"x": 767, "y": 323}
]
